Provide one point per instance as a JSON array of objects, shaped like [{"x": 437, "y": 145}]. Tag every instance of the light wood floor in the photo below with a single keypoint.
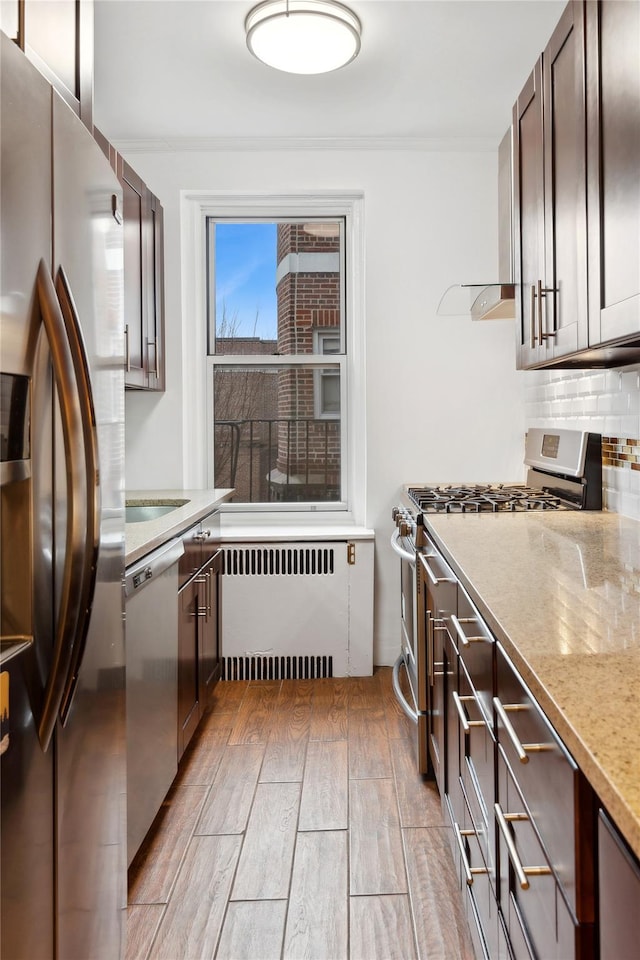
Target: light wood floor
[{"x": 298, "y": 827}]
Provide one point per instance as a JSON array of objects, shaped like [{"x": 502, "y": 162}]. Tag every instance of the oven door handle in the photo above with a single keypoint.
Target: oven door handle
[
  {"x": 395, "y": 681},
  {"x": 400, "y": 550}
]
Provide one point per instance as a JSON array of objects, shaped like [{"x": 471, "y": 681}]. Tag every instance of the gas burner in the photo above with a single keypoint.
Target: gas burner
[{"x": 483, "y": 498}]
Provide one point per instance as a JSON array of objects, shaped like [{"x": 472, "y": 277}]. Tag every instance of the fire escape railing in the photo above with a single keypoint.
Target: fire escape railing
[{"x": 261, "y": 448}]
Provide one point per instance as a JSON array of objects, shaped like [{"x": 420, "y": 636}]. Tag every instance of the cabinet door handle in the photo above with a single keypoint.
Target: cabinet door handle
[
  {"x": 127, "y": 351},
  {"x": 522, "y": 873},
  {"x": 464, "y": 723},
  {"x": 501, "y": 710},
  {"x": 154, "y": 343},
  {"x": 522, "y": 749},
  {"x": 533, "y": 315},
  {"x": 543, "y": 292},
  {"x": 468, "y": 870},
  {"x": 539, "y": 296},
  {"x": 464, "y": 639}
]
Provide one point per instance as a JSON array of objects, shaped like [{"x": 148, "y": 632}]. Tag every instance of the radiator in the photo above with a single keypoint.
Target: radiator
[{"x": 297, "y": 610}]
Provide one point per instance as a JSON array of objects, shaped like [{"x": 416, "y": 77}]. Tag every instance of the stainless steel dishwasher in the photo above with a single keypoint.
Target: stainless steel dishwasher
[{"x": 151, "y": 590}]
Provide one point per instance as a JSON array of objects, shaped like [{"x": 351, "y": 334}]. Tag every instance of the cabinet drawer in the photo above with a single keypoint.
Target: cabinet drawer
[
  {"x": 480, "y": 948},
  {"x": 477, "y": 749},
  {"x": 475, "y": 645},
  {"x": 482, "y": 909},
  {"x": 531, "y": 911},
  {"x": 546, "y": 775},
  {"x": 573, "y": 940},
  {"x": 201, "y": 542}
]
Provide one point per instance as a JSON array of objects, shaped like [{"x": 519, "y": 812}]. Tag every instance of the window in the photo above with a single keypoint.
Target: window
[
  {"x": 327, "y": 380},
  {"x": 277, "y": 336}
]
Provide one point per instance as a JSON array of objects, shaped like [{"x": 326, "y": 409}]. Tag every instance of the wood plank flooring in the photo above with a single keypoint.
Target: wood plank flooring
[{"x": 298, "y": 828}]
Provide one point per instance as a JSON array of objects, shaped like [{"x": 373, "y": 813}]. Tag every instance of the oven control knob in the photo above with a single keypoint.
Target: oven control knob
[
  {"x": 395, "y": 512},
  {"x": 404, "y": 528}
]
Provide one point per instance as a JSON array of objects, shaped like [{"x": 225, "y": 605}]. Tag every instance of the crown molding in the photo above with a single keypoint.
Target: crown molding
[{"x": 230, "y": 144}]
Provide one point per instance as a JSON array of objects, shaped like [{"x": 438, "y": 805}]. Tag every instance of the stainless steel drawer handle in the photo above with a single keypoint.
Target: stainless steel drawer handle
[
  {"x": 464, "y": 723},
  {"x": 464, "y": 639},
  {"x": 522, "y": 749},
  {"x": 468, "y": 870},
  {"x": 434, "y": 580},
  {"x": 522, "y": 873},
  {"x": 501, "y": 710}
]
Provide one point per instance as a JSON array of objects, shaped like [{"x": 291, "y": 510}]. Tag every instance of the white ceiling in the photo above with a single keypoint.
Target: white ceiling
[{"x": 427, "y": 70}]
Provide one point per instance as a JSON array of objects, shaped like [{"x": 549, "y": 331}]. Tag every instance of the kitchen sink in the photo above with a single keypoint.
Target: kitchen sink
[{"x": 139, "y": 511}]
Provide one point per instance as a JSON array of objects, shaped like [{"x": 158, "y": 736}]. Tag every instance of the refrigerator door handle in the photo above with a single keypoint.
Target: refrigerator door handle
[
  {"x": 87, "y": 583},
  {"x": 78, "y": 509}
]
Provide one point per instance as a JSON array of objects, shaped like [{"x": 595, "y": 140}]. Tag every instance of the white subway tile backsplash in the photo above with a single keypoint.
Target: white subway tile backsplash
[{"x": 603, "y": 401}]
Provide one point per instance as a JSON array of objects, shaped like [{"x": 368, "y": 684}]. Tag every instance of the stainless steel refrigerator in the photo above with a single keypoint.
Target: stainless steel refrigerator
[{"x": 62, "y": 677}]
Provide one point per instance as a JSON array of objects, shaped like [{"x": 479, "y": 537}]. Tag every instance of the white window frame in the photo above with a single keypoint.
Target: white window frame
[
  {"x": 319, "y": 336},
  {"x": 197, "y": 207}
]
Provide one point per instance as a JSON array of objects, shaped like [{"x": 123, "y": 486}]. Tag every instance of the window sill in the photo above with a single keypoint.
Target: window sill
[{"x": 269, "y": 528}]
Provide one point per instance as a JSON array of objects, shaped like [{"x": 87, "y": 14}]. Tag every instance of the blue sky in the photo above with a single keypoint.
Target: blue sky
[{"x": 245, "y": 272}]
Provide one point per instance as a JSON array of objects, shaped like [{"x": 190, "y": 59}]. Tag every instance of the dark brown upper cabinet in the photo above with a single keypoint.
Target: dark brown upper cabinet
[
  {"x": 57, "y": 36},
  {"x": 613, "y": 159},
  {"x": 576, "y": 192},
  {"x": 550, "y": 199},
  {"x": 143, "y": 282}
]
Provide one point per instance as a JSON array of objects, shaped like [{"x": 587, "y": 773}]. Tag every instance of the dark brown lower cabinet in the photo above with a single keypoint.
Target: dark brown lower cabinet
[
  {"x": 199, "y": 660},
  {"x": 209, "y": 662},
  {"x": 191, "y": 600},
  {"x": 522, "y": 814},
  {"x": 619, "y": 894}
]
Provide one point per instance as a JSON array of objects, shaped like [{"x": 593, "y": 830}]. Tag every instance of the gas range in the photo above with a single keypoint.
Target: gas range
[
  {"x": 482, "y": 498},
  {"x": 564, "y": 472}
]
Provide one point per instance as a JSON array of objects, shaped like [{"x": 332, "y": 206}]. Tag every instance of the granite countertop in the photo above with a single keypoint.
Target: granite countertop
[
  {"x": 142, "y": 538},
  {"x": 561, "y": 592}
]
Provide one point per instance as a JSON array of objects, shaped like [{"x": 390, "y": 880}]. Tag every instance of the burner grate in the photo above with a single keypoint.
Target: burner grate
[{"x": 483, "y": 498}]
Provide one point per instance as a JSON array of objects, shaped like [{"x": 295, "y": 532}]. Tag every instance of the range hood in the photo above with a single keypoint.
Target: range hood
[
  {"x": 480, "y": 301},
  {"x": 490, "y": 301}
]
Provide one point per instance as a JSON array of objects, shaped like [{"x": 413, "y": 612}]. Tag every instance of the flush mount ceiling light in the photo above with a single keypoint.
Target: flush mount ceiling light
[{"x": 303, "y": 36}]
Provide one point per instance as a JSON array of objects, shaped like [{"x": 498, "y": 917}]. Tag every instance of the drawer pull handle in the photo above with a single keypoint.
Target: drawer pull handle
[
  {"x": 464, "y": 723},
  {"x": 522, "y": 873},
  {"x": 468, "y": 871},
  {"x": 464, "y": 639},
  {"x": 522, "y": 749},
  {"x": 501, "y": 710},
  {"x": 434, "y": 580}
]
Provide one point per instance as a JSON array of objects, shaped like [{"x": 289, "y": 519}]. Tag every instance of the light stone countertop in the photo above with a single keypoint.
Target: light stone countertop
[
  {"x": 561, "y": 592},
  {"x": 142, "y": 538}
]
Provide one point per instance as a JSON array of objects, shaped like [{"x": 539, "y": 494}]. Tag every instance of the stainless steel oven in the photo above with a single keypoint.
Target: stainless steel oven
[
  {"x": 564, "y": 472},
  {"x": 410, "y": 673}
]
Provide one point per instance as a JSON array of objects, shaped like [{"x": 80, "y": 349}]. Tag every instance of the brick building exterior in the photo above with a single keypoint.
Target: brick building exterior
[{"x": 308, "y": 296}]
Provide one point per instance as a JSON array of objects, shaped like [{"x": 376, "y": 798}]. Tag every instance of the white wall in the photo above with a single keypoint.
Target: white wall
[{"x": 444, "y": 401}]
